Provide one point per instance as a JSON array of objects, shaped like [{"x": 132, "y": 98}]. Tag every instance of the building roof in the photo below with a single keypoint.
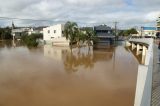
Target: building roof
[
  {"x": 149, "y": 28},
  {"x": 102, "y": 27},
  {"x": 19, "y": 30}
]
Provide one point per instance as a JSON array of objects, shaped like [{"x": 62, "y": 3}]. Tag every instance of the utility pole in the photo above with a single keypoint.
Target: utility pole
[
  {"x": 141, "y": 30},
  {"x": 115, "y": 23}
]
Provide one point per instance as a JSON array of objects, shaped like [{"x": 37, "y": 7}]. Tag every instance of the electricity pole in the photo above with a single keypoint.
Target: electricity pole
[{"x": 115, "y": 24}]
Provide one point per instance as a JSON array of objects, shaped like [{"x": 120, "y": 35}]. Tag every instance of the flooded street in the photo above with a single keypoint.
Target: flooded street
[{"x": 55, "y": 76}]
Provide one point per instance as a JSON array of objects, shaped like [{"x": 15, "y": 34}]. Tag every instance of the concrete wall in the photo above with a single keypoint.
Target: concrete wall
[
  {"x": 52, "y": 32},
  {"x": 144, "y": 77},
  {"x": 54, "y": 35}
]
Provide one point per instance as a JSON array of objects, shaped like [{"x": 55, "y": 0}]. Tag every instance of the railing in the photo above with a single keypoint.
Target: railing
[
  {"x": 140, "y": 37},
  {"x": 144, "y": 77}
]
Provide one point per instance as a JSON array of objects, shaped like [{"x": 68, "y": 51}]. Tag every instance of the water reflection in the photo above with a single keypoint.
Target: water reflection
[
  {"x": 80, "y": 57},
  {"x": 10, "y": 44},
  {"x": 7, "y": 44}
]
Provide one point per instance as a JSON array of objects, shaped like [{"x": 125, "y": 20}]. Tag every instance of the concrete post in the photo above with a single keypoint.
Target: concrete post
[
  {"x": 143, "y": 59},
  {"x": 138, "y": 49},
  {"x": 133, "y": 46},
  {"x": 144, "y": 51}
]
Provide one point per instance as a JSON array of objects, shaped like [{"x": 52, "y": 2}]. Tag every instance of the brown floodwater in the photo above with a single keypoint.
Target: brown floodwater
[{"x": 55, "y": 76}]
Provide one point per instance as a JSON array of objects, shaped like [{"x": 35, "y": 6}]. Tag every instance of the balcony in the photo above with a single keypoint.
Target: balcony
[
  {"x": 158, "y": 28},
  {"x": 158, "y": 24}
]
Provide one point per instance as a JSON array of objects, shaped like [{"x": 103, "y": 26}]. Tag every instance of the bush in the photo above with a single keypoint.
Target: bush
[
  {"x": 31, "y": 40},
  {"x": 5, "y": 33}
]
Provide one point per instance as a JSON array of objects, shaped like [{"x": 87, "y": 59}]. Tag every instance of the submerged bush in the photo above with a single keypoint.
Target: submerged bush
[{"x": 31, "y": 40}]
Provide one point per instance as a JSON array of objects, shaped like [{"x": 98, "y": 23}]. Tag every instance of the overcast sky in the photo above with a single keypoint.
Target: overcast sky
[{"x": 129, "y": 13}]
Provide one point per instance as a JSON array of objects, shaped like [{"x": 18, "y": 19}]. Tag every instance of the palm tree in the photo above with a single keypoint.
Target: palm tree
[
  {"x": 90, "y": 37},
  {"x": 70, "y": 32},
  {"x": 80, "y": 37}
]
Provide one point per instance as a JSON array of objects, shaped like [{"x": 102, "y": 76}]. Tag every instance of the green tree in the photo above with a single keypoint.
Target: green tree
[
  {"x": 128, "y": 32},
  {"x": 90, "y": 37},
  {"x": 133, "y": 31},
  {"x": 5, "y": 33},
  {"x": 70, "y": 32},
  {"x": 80, "y": 37}
]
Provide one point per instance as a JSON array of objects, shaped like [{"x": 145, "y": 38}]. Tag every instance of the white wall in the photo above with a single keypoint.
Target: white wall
[
  {"x": 149, "y": 33},
  {"x": 144, "y": 77},
  {"x": 52, "y": 32}
]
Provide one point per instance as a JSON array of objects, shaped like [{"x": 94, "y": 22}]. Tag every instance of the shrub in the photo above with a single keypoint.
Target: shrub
[{"x": 31, "y": 40}]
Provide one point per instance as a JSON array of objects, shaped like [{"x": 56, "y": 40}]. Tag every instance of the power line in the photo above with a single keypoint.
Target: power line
[
  {"x": 13, "y": 18},
  {"x": 54, "y": 20}
]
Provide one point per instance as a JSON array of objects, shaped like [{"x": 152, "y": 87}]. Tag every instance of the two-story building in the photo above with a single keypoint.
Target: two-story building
[
  {"x": 55, "y": 35},
  {"x": 105, "y": 36},
  {"x": 158, "y": 28},
  {"x": 149, "y": 31},
  {"x": 17, "y": 33}
]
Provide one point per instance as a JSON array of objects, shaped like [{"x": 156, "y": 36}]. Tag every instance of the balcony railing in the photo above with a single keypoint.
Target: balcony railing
[{"x": 158, "y": 24}]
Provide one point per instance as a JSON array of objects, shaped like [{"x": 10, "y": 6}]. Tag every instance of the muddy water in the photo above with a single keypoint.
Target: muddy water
[{"x": 54, "y": 76}]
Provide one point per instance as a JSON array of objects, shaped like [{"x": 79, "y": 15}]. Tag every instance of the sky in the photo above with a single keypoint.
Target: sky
[{"x": 128, "y": 13}]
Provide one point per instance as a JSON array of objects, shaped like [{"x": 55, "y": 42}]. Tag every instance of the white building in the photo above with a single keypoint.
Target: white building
[
  {"x": 146, "y": 32},
  {"x": 17, "y": 33},
  {"x": 54, "y": 34},
  {"x": 149, "y": 31}
]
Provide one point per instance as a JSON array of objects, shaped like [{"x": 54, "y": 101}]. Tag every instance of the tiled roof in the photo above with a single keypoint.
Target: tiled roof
[{"x": 102, "y": 27}]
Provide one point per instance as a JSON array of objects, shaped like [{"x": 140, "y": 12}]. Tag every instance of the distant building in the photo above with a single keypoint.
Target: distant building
[
  {"x": 55, "y": 35},
  {"x": 17, "y": 33},
  {"x": 35, "y": 30},
  {"x": 105, "y": 36},
  {"x": 158, "y": 28},
  {"x": 88, "y": 28},
  {"x": 149, "y": 31},
  {"x": 158, "y": 25}
]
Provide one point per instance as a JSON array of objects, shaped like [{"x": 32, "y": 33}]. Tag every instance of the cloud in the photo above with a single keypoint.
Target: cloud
[
  {"x": 126, "y": 12},
  {"x": 152, "y": 16}
]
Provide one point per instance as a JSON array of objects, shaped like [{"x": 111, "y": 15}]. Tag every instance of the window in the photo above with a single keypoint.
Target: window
[
  {"x": 54, "y": 31},
  {"x": 48, "y": 31}
]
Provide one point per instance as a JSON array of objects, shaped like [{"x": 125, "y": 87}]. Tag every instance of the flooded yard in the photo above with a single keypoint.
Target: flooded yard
[{"x": 55, "y": 76}]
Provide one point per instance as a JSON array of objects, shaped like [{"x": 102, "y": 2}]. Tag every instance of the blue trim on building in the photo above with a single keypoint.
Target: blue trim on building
[{"x": 149, "y": 28}]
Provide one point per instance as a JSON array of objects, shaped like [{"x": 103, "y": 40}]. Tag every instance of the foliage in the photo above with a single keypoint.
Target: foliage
[
  {"x": 80, "y": 36},
  {"x": 70, "y": 31},
  {"x": 128, "y": 32},
  {"x": 31, "y": 40},
  {"x": 5, "y": 33},
  {"x": 90, "y": 37},
  {"x": 74, "y": 34},
  {"x": 158, "y": 34}
]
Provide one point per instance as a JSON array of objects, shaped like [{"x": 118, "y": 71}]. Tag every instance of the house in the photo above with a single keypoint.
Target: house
[
  {"x": 149, "y": 31},
  {"x": 158, "y": 28},
  {"x": 55, "y": 35},
  {"x": 17, "y": 33},
  {"x": 105, "y": 36}
]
